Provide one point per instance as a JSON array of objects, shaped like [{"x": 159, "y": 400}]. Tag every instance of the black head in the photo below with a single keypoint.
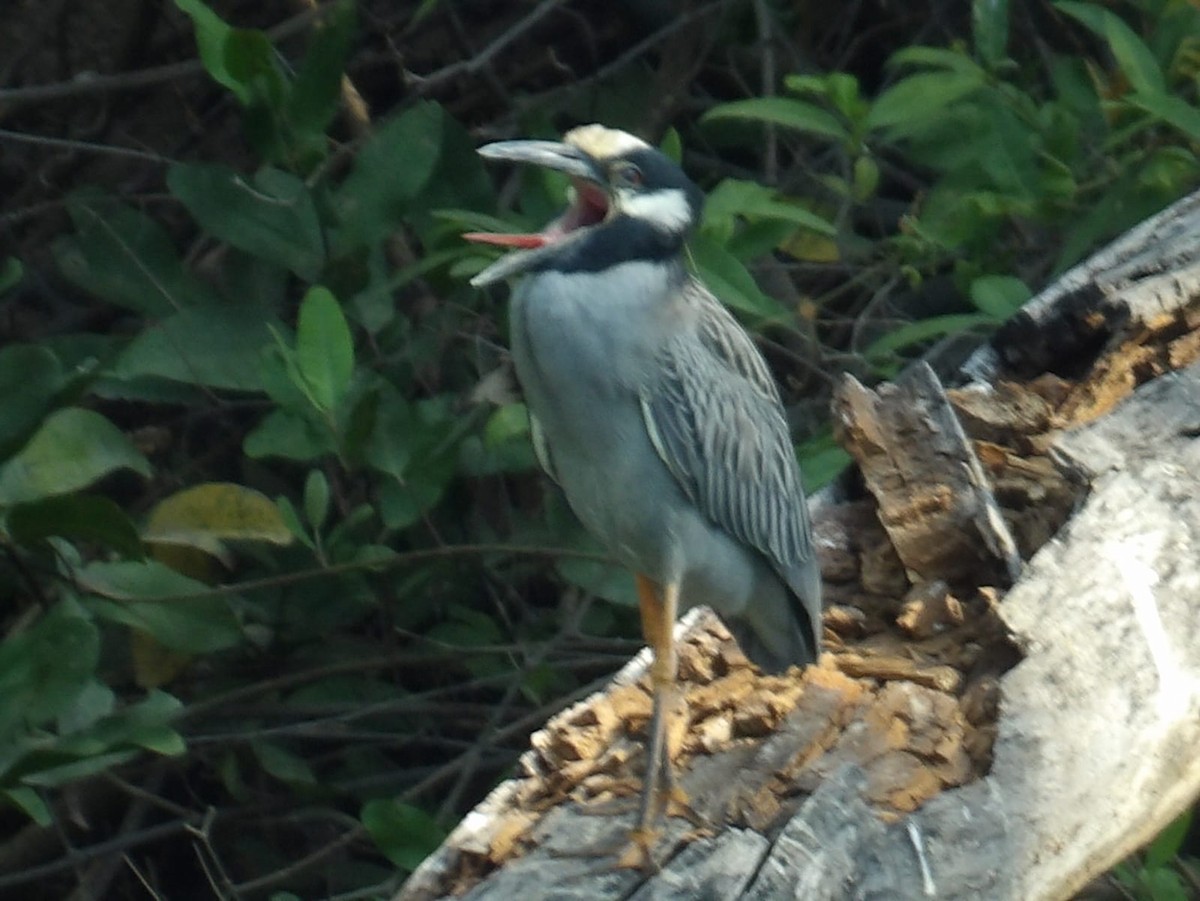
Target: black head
[{"x": 629, "y": 202}]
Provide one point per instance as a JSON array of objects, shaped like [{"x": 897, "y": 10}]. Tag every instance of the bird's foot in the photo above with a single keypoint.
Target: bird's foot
[
  {"x": 677, "y": 804},
  {"x": 634, "y": 851},
  {"x": 637, "y": 853}
]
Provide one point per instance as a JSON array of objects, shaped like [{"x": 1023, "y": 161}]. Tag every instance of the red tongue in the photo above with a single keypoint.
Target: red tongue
[{"x": 523, "y": 241}]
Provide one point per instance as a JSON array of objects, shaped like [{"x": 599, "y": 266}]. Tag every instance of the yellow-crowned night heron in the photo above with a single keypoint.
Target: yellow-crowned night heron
[{"x": 654, "y": 411}]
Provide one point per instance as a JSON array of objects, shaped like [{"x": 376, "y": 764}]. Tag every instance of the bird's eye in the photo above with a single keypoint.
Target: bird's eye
[{"x": 627, "y": 175}]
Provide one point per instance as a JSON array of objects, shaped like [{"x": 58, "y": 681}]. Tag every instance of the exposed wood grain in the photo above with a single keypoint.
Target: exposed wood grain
[{"x": 933, "y": 497}]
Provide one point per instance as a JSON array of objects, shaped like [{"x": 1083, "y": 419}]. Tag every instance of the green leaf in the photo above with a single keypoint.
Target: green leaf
[
  {"x": 1136, "y": 60},
  {"x": 999, "y": 296},
  {"x": 125, "y": 258},
  {"x": 136, "y": 581},
  {"x": 316, "y": 498},
  {"x": 30, "y": 377},
  {"x": 44, "y": 669},
  {"x": 30, "y": 803},
  {"x": 81, "y": 517},
  {"x": 1168, "y": 843},
  {"x": 671, "y": 145},
  {"x": 283, "y": 433},
  {"x": 11, "y": 273},
  {"x": 467, "y": 628},
  {"x": 324, "y": 348},
  {"x": 251, "y": 61},
  {"x": 989, "y": 23},
  {"x": 786, "y": 112},
  {"x": 1173, "y": 110},
  {"x": 840, "y": 89},
  {"x": 471, "y": 220},
  {"x": 89, "y": 765},
  {"x": 1167, "y": 885},
  {"x": 283, "y": 764},
  {"x": 280, "y": 376},
  {"x": 216, "y": 511},
  {"x": 1168, "y": 172},
  {"x": 937, "y": 58},
  {"x": 821, "y": 461},
  {"x": 405, "y": 834},
  {"x": 391, "y": 446},
  {"x": 1123, "y": 204},
  {"x": 217, "y": 345},
  {"x": 605, "y": 580},
  {"x": 288, "y": 511},
  {"x": 918, "y": 100},
  {"x": 925, "y": 330},
  {"x": 734, "y": 197},
  {"x": 316, "y": 91},
  {"x": 273, "y": 217},
  {"x": 147, "y": 724},
  {"x": 508, "y": 423},
  {"x": 73, "y": 449},
  {"x": 219, "y": 51},
  {"x": 403, "y": 503},
  {"x": 389, "y": 172},
  {"x": 139, "y": 595},
  {"x": 91, "y": 705},
  {"x": 728, "y": 278}
]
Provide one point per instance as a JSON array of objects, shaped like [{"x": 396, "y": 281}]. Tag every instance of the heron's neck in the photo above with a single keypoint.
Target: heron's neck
[{"x": 623, "y": 240}]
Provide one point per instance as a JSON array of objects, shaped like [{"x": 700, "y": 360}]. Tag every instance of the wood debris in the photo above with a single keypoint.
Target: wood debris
[{"x": 962, "y": 488}]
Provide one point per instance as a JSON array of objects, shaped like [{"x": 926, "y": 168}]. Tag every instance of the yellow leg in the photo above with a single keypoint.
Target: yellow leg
[
  {"x": 658, "y": 605},
  {"x": 660, "y": 795}
]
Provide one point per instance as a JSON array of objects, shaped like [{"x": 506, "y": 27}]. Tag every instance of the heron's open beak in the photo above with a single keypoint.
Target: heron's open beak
[{"x": 589, "y": 205}]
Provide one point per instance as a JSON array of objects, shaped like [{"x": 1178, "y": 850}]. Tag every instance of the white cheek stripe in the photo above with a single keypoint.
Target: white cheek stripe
[{"x": 668, "y": 209}]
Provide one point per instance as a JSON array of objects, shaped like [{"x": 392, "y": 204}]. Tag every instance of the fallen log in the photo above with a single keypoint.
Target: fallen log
[{"x": 960, "y": 738}]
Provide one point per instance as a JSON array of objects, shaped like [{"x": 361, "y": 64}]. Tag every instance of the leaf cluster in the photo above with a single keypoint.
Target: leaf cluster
[{"x": 324, "y": 568}]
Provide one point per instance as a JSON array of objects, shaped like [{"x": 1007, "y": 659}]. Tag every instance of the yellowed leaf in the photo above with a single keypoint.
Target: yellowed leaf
[
  {"x": 154, "y": 664},
  {"x": 206, "y": 515},
  {"x": 811, "y": 247}
]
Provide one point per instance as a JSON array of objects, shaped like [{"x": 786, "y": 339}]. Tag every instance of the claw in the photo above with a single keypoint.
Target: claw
[{"x": 636, "y": 855}]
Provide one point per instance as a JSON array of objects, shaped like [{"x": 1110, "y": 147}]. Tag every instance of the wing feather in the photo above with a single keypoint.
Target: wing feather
[{"x": 715, "y": 418}]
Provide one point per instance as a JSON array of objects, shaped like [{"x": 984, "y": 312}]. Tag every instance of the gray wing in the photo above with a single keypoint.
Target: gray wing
[{"x": 716, "y": 420}]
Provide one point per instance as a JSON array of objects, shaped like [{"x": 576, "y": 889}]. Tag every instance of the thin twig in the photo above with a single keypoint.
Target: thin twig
[
  {"x": 85, "y": 146},
  {"x": 76, "y": 856},
  {"x": 283, "y": 874},
  {"x": 222, "y": 885},
  {"x": 142, "y": 878},
  {"x": 471, "y": 66},
  {"x": 470, "y": 760},
  {"x": 766, "y": 72},
  {"x": 385, "y": 889},
  {"x": 100, "y": 873},
  {"x": 516, "y": 727},
  {"x": 86, "y": 83},
  {"x": 379, "y": 566}
]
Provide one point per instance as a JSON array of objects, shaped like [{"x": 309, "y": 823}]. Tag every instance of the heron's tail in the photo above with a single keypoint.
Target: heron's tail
[
  {"x": 782, "y": 628},
  {"x": 777, "y": 654}
]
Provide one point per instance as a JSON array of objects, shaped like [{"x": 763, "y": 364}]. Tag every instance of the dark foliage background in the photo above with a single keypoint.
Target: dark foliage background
[{"x": 281, "y": 595}]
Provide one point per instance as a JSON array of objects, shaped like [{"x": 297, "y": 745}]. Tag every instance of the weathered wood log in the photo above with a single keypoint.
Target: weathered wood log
[
  {"x": 915, "y": 761},
  {"x": 933, "y": 497}
]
